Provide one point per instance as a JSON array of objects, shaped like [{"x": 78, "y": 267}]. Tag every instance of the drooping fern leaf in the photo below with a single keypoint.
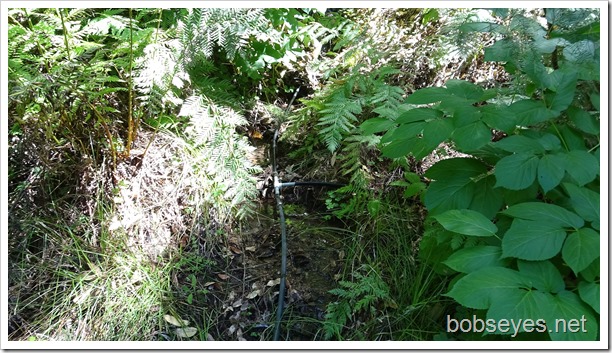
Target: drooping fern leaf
[{"x": 212, "y": 129}]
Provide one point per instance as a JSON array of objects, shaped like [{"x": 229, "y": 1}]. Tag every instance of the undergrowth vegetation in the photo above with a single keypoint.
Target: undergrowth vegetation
[{"x": 468, "y": 143}]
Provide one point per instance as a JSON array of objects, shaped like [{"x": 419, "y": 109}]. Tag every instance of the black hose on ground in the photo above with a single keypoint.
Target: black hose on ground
[{"x": 277, "y": 186}]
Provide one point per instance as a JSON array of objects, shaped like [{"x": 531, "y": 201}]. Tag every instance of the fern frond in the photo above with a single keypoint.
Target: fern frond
[{"x": 337, "y": 119}]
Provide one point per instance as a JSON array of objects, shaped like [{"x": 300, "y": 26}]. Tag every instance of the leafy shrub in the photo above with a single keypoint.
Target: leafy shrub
[{"x": 518, "y": 219}]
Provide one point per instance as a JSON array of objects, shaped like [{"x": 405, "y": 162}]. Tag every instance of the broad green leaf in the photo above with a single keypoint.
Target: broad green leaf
[
  {"x": 418, "y": 114},
  {"x": 581, "y": 51},
  {"x": 581, "y": 248},
  {"x": 487, "y": 199},
  {"x": 486, "y": 27},
  {"x": 561, "y": 100},
  {"x": 591, "y": 273},
  {"x": 452, "y": 190},
  {"x": 499, "y": 117},
  {"x": 581, "y": 165},
  {"x": 471, "y": 137},
  {"x": 518, "y": 305},
  {"x": 595, "y": 100},
  {"x": 520, "y": 144},
  {"x": 543, "y": 275},
  {"x": 589, "y": 293},
  {"x": 437, "y": 131},
  {"x": 567, "y": 308},
  {"x": 453, "y": 104},
  {"x": 479, "y": 289},
  {"x": 531, "y": 112},
  {"x": 428, "y": 95},
  {"x": 517, "y": 171},
  {"x": 460, "y": 167},
  {"x": 475, "y": 258},
  {"x": 465, "y": 115},
  {"x": 467, "y": 222},
  {"x": 398, "y": 148},
  {"x": 451, "y": 193},
  {"x": 561, "y": 80},
  {"x": 465, "y": 89},
  {"x": 551, "y": 170},
  {"x": 532, "y": 240},
  {"x": 501, "y": 50},
  {"x": 573, "y": 139},
  {"x": 585, "y": 202},
  {"x": 545, "y": 213},
  {"x": 550, "y": 142},
  {"x": 512, "y": 197},
  {"x": 414, "y": 189},
  {"x": 374, "y": 125},
  {"x": 406, "y": 131},
  {"x": 583, "y": 120}
]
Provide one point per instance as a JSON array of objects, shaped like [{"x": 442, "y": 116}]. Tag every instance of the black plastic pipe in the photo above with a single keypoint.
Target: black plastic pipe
[{"x": 277, "y": 186}]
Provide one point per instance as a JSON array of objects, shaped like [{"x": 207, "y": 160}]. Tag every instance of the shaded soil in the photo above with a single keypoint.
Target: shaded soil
[{"x": 253, "y": 276}]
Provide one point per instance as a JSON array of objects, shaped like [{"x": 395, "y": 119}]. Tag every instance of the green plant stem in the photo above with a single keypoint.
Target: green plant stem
[
  {"x": 560, "y": 136},
  {"x": 65, "y": 34}
]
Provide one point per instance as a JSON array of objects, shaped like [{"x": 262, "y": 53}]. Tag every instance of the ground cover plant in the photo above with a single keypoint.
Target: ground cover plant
[{"x": 140, "y": 185}]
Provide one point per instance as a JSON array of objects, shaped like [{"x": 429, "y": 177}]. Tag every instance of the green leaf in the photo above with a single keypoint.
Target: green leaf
[
  {"x": 530, "y": 112},
  {"x": 520, "y": 144},
  {"x": 487, "y": 199},
  {"x": 499, "y": 117},
  {"x": 517, "y": 171},
  {"x": 567, "y": 308},
  {"x": 551, "y": 170},
  {"x": 464, "y": 114},
  {"x": 479, "y": 289},
  {"x": 585, "y": 202},
  {"x": 516, "y": 306},
  {"x": 428, "y": 95},
  {"x": 589, "y": 293},
  {"x": 461, "y": 167},
  {"x": 472, "y": 137},
  {"x": 448, "y": 194},
  {"x": 543, "y": 275},
  {"x": 591, "y": 273},
  {"x": 398, "y": 148},
  {"x": 532, "y": 240},
  {"x": 374, "y": 125},
  {"x": 545, "y": 213},
  {"x": 475, "y": 258},
  {"x": 559, "y": 101},
  {"x": 501, "y": 50},
  {"x": 467, "y": 222},
  {"x": 465, "y": 89},
  {"x": 418, "y": 114},
  {"x": 452, "y": 190},
  {"x": 414, "y": 189},
  {"x": 595, "y": 100},
  {"x": 373, "y": 207},
  {"x": 550, "y": 142},
  {"x": 581, "y": 165},
  {"x": 580, "y": 249},
  {"x": 437, "y": 131},
  {"x": 583, "y": 120},
  {"x": 406, "y": 131}
]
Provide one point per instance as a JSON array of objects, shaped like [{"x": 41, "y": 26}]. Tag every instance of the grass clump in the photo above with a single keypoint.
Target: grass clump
[{"x": 386, "y": 292}]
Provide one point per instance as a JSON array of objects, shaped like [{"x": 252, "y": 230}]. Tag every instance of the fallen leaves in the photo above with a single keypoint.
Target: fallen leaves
[{"x": 183, "y": 331}]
